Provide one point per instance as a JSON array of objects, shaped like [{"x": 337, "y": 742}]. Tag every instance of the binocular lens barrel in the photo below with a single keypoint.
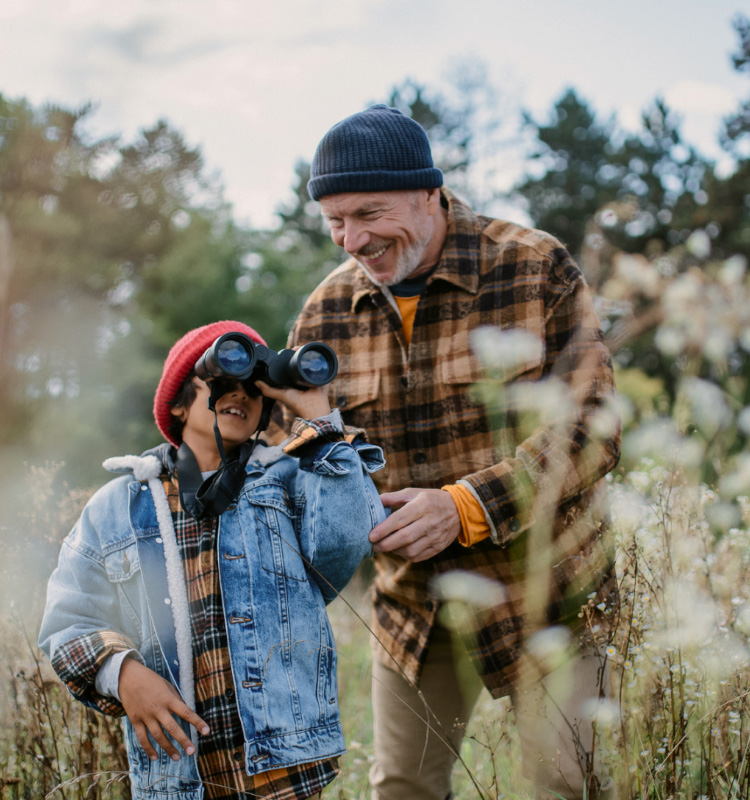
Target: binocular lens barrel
[
  {"x": 316, "y": 365},
  {"x": 236, "y": 357},
  {"x": 233, "y": 358}
]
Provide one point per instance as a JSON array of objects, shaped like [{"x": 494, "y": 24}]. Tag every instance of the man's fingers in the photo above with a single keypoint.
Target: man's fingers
[
  {"x": 399, "y": 498},
  {"x": 398, "y": 539},
  {"x": 397, "y": 521}
]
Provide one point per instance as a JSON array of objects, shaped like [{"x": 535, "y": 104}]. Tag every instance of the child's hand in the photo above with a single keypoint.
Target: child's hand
[
  {"x": 149, "y": 701},
  {"x": 305, "y": 403}
]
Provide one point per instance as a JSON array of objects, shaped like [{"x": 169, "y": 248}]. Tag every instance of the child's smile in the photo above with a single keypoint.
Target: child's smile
[{"x": 238, "y": 416}]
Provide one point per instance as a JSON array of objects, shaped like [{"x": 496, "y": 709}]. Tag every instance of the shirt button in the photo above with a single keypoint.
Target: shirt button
[
  {"x": 144, "y": 488},
  {"x": 405, "y": 382},
  {"x": 429, "y": 605},
  {"x": 239, "y": 756},
  {"x": 229, "y": 694},
  {"x": 419, "y": 458},
  {"x": 514, "y": 525},
  {"x": 167, "y": 601}
]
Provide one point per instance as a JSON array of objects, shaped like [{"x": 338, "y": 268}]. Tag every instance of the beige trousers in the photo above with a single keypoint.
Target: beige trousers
[{"x": 414, "y": 762}]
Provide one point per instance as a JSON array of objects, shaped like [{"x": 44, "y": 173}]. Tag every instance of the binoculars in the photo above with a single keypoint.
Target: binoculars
[{"x": 235, "y": 356}]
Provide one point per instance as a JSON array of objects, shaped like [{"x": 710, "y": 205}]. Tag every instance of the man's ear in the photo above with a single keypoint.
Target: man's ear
[
  {"x": 179, "y": 411},
  {"x": 433, "y": 201}
]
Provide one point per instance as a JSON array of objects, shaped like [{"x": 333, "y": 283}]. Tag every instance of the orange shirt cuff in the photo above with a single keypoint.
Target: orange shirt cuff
[{"x": 474, "y": 525}]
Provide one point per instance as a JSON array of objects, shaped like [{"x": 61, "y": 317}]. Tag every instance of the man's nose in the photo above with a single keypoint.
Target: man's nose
[{"x": 355, "y": 237}]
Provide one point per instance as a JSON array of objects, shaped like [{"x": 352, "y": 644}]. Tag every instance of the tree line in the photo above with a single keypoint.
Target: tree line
[{"x": 110, "y": 250}]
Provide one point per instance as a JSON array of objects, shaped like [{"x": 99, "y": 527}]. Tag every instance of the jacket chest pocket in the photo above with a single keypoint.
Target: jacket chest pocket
[
  {"x": 357, "y": 396},
  {"x": 274, "y": 515},
  {"x": 123, "y": 570},
  {"x": 476, "y": 402}
]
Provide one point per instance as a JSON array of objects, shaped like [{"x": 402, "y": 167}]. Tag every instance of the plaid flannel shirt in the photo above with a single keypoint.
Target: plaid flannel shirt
[{"x": 418, "y": 403}]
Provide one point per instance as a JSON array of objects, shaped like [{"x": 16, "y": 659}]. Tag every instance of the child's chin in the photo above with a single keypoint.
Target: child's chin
[{"x": 233, "y": 442}]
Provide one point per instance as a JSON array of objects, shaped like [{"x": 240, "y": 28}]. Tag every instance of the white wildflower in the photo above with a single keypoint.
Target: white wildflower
[
  {"x": 733, "y": 271},
  {"x": 549, "y": 645},
  {"x": 718, "y": 345},
  {"x": 638, "y": 273},
  {"x": 506, "y": 351},
  {"x": 707, "y": 404},
  {"x": 743, "y": 420},
  {"x": 670, "y": 340},
  {"x": 470, "y": 588},
  {"x": 738, "y": 481},
  {"x": 723, "y": 515},
  {"x": 699, "y": 244},
  {"x": 603, "y": 711}
]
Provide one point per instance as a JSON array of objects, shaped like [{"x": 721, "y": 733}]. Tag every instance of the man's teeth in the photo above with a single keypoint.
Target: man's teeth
[
  {"x": 373, "y": 256},
  {"x": 234, "y": 411}
]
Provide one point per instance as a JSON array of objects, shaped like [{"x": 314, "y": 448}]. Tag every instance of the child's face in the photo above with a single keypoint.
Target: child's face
[{"x": 238, "y": 416}]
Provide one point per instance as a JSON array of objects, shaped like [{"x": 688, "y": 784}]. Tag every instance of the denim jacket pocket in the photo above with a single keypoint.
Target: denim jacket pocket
[
  {"x": 123, "y": 571},
  {"x": 274, "y": 514}
]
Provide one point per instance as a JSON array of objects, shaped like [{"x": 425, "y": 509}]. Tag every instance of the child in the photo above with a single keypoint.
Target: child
[{"x": 188, "y": 613}]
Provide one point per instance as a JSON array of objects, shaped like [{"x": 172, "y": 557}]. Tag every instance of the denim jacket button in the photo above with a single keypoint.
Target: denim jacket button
[{"x": 229, "y": 694}]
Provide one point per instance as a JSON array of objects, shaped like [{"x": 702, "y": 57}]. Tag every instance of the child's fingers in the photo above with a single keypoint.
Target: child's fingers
[
  {"x": 141, "y": 733},
  {"x": 192, "y": 718},
  {"x": 169, "y": 725}
]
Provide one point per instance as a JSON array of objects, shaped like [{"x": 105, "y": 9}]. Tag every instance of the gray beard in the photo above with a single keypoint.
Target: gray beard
[{"x": 407, "y": 263}]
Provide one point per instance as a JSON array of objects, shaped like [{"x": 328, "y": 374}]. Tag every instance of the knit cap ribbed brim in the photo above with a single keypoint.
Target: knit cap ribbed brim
[{"x": 377, "y": 150}]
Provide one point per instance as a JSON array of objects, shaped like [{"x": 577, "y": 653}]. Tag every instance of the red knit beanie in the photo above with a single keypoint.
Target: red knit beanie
[{"x": 182, "y": 358}]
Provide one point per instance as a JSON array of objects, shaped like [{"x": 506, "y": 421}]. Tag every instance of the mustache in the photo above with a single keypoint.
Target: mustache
[{"x": 370, "y": 249}]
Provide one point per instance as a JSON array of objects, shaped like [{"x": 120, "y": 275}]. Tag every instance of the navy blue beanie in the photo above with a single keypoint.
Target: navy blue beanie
[{"x": 377, "y": 150}]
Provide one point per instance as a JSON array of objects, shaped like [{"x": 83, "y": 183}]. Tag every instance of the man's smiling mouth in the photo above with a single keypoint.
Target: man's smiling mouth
[{"x": 374, "y": 255}]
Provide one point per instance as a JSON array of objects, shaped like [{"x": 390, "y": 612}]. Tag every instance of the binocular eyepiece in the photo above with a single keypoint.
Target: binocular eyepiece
[{"x": 237, "y": 357}]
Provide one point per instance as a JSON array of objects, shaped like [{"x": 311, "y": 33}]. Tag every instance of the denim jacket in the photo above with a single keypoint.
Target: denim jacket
[{"x": 286, "y": 547}]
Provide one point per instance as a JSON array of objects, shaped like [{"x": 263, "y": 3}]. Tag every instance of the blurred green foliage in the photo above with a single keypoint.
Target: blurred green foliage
[{"x": 110, "y": 250}]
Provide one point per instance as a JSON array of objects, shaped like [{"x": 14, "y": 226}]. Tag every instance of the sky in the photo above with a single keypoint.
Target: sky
[{"x": 256, "y": 83}]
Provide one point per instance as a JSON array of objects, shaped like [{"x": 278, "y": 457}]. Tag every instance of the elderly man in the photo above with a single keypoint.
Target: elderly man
[{"x": 468, "y": 486}]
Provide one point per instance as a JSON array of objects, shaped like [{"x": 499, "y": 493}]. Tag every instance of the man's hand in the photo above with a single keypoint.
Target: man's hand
[
  {"x": 150, "y": 701},
  {"x": 425, "y": 523}
]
